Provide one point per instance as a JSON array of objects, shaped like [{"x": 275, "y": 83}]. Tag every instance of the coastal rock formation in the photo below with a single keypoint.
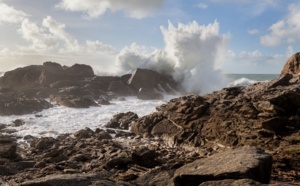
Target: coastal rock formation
[
  {"x": 18, "y": 104},
  {"x": 90, "y": 157},
  {"x": 152, "y": 81},
  {"x": 77, "y": 86},
  {"x": 292, "y": 65}
]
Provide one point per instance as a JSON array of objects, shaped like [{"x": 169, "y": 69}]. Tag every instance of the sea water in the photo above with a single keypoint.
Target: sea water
[{"x": 58, "y": 119}]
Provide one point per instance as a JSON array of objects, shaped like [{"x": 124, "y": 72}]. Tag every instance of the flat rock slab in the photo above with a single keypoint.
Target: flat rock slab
[
  {"x": 242, "y": 163},
  {"x": 68, "y": 179}
]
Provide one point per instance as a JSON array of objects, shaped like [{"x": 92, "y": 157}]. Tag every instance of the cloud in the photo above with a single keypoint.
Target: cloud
[
  {"x": 255, "y": 7},
  {"x": 256, "y": 60},
  {"x": 95, "y": 8},
  {"x": 202, "y": 5},
  {"x": 99, "y": 47},
  {"x": 286, "y": 30},
  {"x": 38, "y": 37},
  {"x": 9, "y": 14},
  {"x": 190, "y": 55},
  {"x": 58, "y": 31},
  {"x": 253, "y": 31}
]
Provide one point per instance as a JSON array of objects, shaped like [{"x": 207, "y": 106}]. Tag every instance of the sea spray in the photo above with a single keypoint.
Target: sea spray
[{"x": 190, "y": 55}]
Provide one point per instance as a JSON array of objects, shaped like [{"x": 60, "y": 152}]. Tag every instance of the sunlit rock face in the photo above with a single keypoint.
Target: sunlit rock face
[{"x": 292, "y": 65}]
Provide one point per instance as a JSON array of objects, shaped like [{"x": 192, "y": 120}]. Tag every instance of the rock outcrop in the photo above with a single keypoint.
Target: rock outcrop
[
  {"x": 246, "y": 163},
  {"x": 292, "y": 65},
  {"x": 77, "y": 86},
  {"x": 18, "y": 104}
]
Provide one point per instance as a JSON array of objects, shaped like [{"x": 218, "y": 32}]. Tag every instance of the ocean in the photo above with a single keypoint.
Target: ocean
[{"x": 58, "y": 120}]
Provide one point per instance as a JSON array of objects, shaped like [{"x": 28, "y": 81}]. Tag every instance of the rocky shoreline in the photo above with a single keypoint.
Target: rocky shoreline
[{"x": 236, "y": 136}]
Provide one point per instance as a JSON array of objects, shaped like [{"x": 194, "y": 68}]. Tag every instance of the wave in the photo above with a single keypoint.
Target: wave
[{"x": 242, "y": 82}]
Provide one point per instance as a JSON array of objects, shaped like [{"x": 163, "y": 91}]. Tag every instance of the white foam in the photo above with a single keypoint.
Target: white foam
[
  {"x": 191, "y": 54},
  {"x": 59, "y": 119},
  {"x": 242, "y": 82}
]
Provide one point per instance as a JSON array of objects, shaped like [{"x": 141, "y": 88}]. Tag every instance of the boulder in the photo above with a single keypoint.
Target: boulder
[
  {"x": 51, "y": 72},
  {"x": 80, "y": 70},
  {"x": 8, "y": 147},
  {"x": 292, "y": 65},
  {"x": 144, "y": 157},
  {"x": 74, "y": 101},
  {"x": 242, "y": 163},
  {"x": 122, "y": 120},
  {"x": 21, "y": 78},
  {"x": 118, "y": 88},
  {"x": 149, "y": 95},
  {"x": 152, "y": 81}
]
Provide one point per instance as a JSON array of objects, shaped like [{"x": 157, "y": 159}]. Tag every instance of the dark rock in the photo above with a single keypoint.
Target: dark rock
[
  {"x": 149, "y": 95},
  {"x": 21, "y": 165},
  {"x": 7, "y": 170},
  {"x": 152, "y": 81},
  {"x": 103, "y": 101},
  {"x": 246, "y": 163},
  {"x": 102, "y": 135},
  {"x": 21, "y": 78},
  {"x": 21, "y": 105},
  {"x": 275, "y": 124},
  {"x": 43, "y": 143},
  {"x": 80, "y": 70},
  {"x": 8, "y": 147},
  {"x": 2, "y": 126},
  {"x": 66, "y": 179},
  {"x": 232, "y": 182},
  {"x": 144, "y": 157},
  {"x": 122, "y": 120},
  {"x": 118, "y": 88},
  {"x": 84, "y": 133},
  {"x": 18, "y": 122},
  {"x": 74, "y": 101},
  {"x": 118, "y": 163}
]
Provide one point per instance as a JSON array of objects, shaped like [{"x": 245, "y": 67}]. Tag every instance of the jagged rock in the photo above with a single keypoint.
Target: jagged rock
[
  {"x": 122, "y": 120},
  {"x": 21, "y": 78},
  {"x": 84, "y": 133},
  {"x": 8, "y": 147},
  {"x": 249, "y": 163},
  {"x": 21, "y": 105},
  {"x": 292, "y": 65},
  {"x": 149, "y": 94},
  {"x": 118, "y": 88},
  {"x": 43, "y": 143},
  {"x": 144, "y": 157},
  {"x": 74, "y": 101},
  {"x": 152, "y": 81}
]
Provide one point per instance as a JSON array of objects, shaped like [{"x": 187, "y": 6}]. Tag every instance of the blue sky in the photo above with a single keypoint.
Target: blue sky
[{"x": 256, "y": 36}]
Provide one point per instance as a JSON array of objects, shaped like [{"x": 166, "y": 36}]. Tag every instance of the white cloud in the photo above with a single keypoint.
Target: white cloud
[
  {"x": 94, "y": 8},
  {"x": 253, "y": 31},
  {"x": 58, "y": 31},
  {"x": 38, "y": 37},
  {"x": 9, "y": 14},
  {"x": 286, "y": 30},
  {"x": 202, "y": 5},
  {"x": 99, "y": 47}
]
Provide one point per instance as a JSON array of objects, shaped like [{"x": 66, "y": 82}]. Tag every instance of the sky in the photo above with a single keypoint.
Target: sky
[{"x": 178, "y": 36}]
